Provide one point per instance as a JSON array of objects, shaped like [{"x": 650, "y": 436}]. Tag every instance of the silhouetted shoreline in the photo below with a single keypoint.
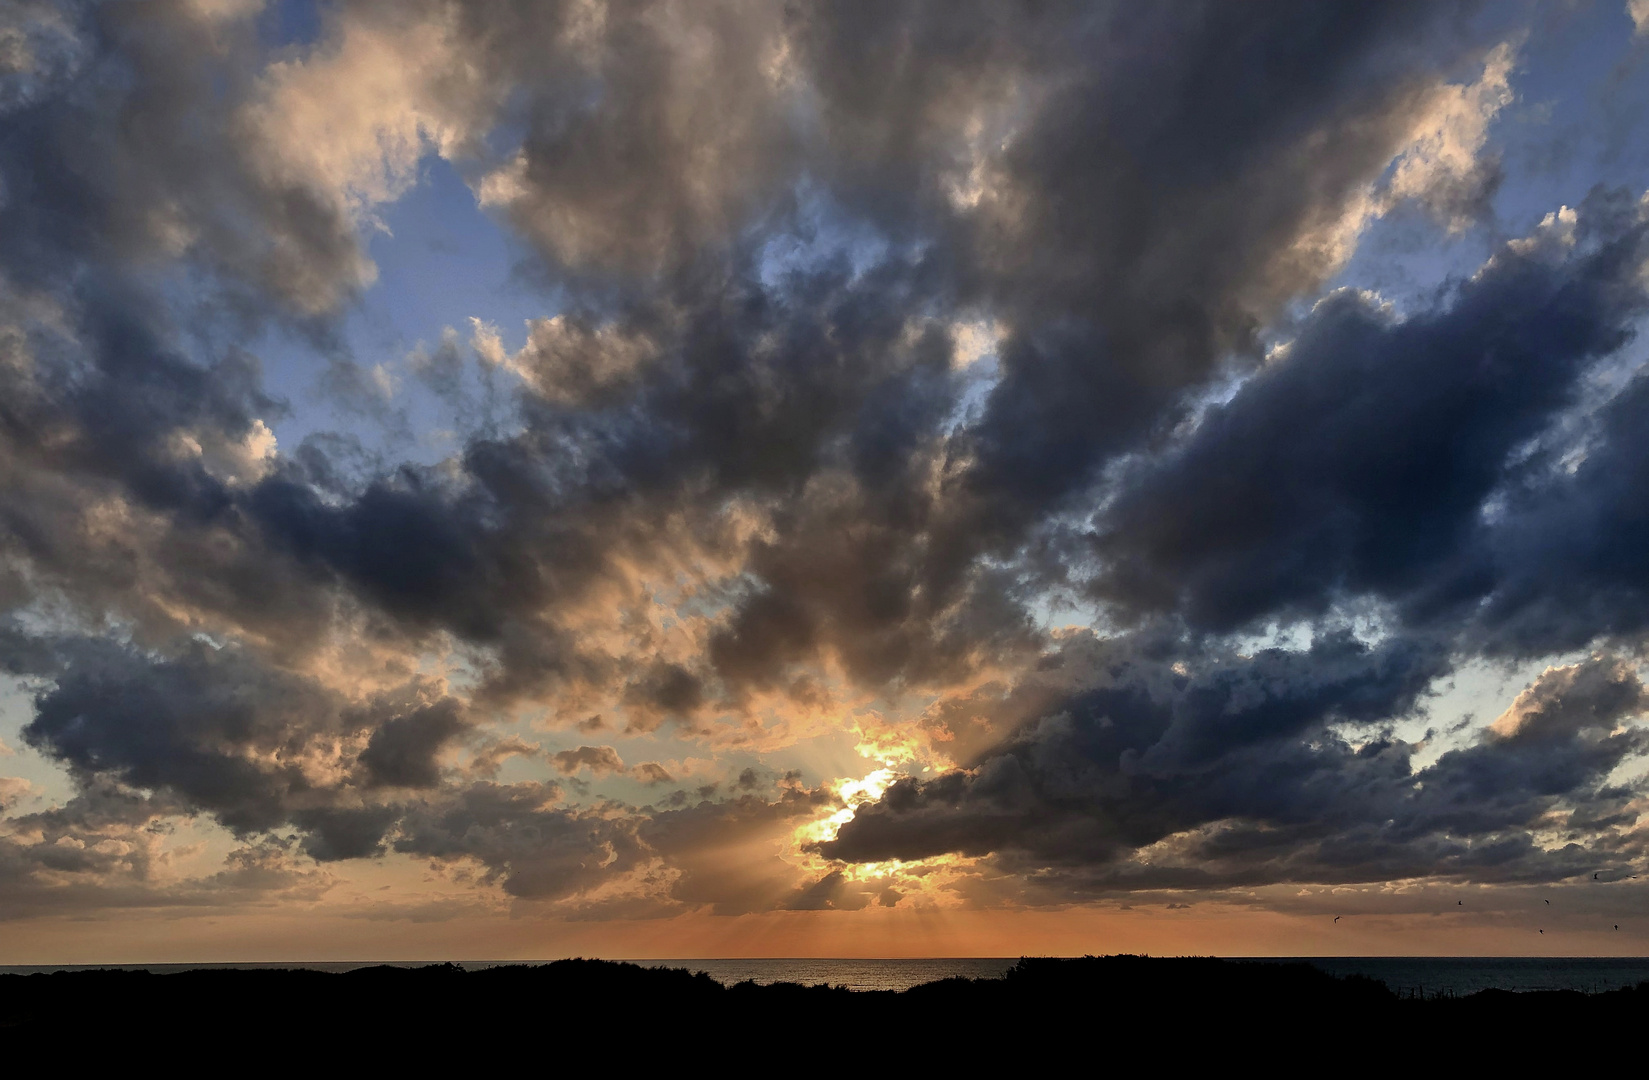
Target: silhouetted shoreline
[{"x": 607, "y": 1000}]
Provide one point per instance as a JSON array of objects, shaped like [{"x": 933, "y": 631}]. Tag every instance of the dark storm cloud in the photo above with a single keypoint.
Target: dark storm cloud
[
  {"x": 802, "y": 384},
  {"x": 806, "y": 386},
  {"x": 770, "y": 232},
  {"x": 96, "y": 157},
  {"x": 1567, "y": 557},
  {"x": 334, "y": 833},
  {"x": 1123, "y": 787},
  {"x": 664, "y": 691},
  {"x": 833, "y": 892},
  {"x": 663, "y": 151},
  {"x": 675, "y": 859},
  {"x": 256, "y": 747},
  {"x": 1359, "y": 462},
  {"x": 532, "y": 848},
  {"x": 1164, "y": 198},
  {"x": 186, "y": 726},
  {"x": 1154, "y": 721},
  {"x": 402, "y": 750},
  {"x": 1146, "y": 216},
  {"x": 598, "y": 759},
  {"x": 1565, "y": 701},
  {"x": 101, "y": 851}
]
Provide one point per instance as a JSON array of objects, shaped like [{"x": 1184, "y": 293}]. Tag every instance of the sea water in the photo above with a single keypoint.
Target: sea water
[
  {"x": 1461, "y": 975},
  {"x": 1406, "y": 975},
  {"x": 853, "y": 974}
]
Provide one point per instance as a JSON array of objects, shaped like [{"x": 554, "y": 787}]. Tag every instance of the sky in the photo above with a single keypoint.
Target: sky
[{"x": 514, "y": 480}]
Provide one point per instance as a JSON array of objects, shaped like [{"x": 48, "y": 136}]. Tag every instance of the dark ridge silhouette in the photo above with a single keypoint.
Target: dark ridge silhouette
[{"x": 1187, "y": 1007}]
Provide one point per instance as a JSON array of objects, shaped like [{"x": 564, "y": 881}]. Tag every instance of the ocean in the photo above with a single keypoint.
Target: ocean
[
  {"x": 1461, "y": 975},
  {"x": 1408, "y": 975},
  {"x": 1419, "y": 975}
]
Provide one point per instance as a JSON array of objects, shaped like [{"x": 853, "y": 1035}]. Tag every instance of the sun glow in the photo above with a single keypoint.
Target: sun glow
[
  {"x": 851, "y": 794},
  {"x": 926, "y": 881}
]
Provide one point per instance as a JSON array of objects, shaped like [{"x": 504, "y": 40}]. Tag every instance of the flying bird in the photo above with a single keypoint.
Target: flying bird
[
  {"x": 1594, "y": 877},
  {"x": 1543, "y": 931},
  {"x": 1462, "y": 903},
  {"x": 1548, "y": 901},
  {"x": 1336, "y": 918}
]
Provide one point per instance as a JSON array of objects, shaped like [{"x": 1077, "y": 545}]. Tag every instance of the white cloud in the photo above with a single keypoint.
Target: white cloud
[
  {"x": 487, "y": 344},
  {"x": 354, "y": 118},
  {"x": 1638, "y": 10},
  {"x": 1442, "y": 155},
  {"x": 1438, "y": 165},
  {"x": 13, "y": 790}
]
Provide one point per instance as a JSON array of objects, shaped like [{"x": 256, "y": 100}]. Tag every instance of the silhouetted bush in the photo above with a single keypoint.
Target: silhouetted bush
[{"x": 1176, "y": 1009}]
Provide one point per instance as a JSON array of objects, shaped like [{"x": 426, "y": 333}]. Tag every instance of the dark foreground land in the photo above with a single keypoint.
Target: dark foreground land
[{"x": 1165, "y": 1009}]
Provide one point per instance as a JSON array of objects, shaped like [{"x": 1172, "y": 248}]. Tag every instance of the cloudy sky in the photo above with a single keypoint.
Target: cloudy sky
[{"x": 702, "y": 478}]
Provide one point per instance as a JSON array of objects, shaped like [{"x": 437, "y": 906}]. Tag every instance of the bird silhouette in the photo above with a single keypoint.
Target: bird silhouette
[
  {"x": 1594, "y": 877},
  {"x": 1543, "y": 931},
  {"x": 1548, "y": 901},
  {"x": 1462, "y": 903},
  {"x": 1617, "y": 926},
  {"x": 1336, "y": 918}
]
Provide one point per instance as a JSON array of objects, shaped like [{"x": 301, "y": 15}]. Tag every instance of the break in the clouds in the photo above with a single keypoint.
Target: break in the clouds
[{"x": 617, "y": 460}]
